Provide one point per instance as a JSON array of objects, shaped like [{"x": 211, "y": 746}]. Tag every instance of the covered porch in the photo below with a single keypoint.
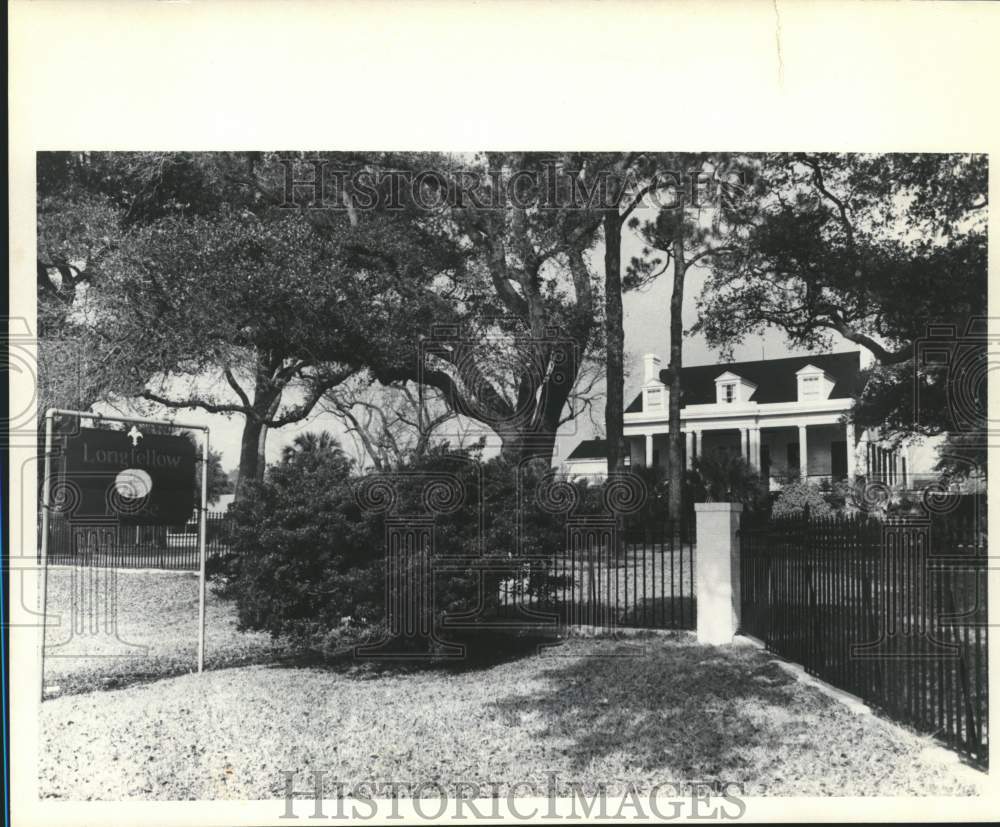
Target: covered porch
[{"x": 782, "y": 451}]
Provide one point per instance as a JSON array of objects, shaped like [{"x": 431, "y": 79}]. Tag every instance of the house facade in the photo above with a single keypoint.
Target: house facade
[{"x": 787, "y": 417}]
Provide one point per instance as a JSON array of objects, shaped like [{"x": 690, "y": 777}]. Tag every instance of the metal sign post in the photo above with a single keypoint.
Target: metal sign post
[
  {"x": 44, "y": 561},
  {"x": 202, "y": 555},
  {"x": 47, "y": 507}
]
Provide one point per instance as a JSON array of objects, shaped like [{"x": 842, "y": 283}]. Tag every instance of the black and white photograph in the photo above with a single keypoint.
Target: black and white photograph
[
  {"x": 452, "y": 418},
  {"x": 504, "y": 481}
]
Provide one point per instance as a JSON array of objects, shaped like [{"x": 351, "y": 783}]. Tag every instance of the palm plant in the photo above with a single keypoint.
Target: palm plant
[
  {"x": 727, "y": 477},
  {"x": 312, "y": 445}
]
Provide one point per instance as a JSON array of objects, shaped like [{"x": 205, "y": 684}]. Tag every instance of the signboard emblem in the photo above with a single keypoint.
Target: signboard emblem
[{"x": 142, "y": 479}]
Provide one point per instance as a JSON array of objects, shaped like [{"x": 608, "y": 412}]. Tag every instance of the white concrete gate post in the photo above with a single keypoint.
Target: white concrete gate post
[{"x": 718, "y": 571}]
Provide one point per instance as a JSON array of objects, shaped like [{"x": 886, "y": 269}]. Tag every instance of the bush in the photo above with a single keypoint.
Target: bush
[
  {"x": 795, "y": 496},
  {"x": 313, "y": 562},
  {"x": 221, "y": 569},
  {"x": 303, "y": 547},
  {"x": 841, "y": 495}
]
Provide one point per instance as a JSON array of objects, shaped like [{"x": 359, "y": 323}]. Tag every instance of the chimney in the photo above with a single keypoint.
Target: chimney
[{"x": 650, "y": 368}]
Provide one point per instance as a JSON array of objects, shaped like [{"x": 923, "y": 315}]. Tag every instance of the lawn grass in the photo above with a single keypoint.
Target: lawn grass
[
  {"x": 645, "y": 709},
  {"x": 151, "y": 633}
]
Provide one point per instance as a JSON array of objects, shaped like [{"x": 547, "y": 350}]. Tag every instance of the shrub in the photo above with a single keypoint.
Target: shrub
[
  {"x": 841, "y": 495},
  {"x": 655, "y": 508},
  {"x": 303, "y": 547},
  {"x": 796, "y": 495},
  {"x": 313, "y": 565}
]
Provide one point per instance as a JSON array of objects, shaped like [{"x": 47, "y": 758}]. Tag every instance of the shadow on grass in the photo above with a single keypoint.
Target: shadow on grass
[
  {"x": 676, "y": 612},
  {"x": 462, "y": 652},
  {"x": 483, "y": 649},
  {"x": 119, "y": 673},
  {"x": 692, "y": 708}
]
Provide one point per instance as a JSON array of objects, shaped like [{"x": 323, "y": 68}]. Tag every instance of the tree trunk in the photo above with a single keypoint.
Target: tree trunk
[
  {"x": 261, "y": 455},
  {"x": 254, "y": 438},
  {"x": 518, "y": 446},
  {"x": 250, "y": 458},
  {"x": 675, "y": 437},
  {"x": 614, "y": 409},
  {"x": 272, "y": 410}
]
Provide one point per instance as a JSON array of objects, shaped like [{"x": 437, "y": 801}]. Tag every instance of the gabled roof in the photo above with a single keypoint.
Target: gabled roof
[
  {"x": 590, "y": 449},
  {"x": 776, "y": 379},
  {"x": 810, "y": 368},
  {"x": 725, "y": 375}
]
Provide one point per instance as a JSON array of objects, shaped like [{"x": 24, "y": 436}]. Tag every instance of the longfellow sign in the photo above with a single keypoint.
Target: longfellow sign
[
  {"x": 129, "y": 476},
  {"x": 142, "y": 458}
]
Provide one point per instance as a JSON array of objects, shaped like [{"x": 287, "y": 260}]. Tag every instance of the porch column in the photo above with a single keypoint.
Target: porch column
[
  {"x": 696, "y": 443},
  {"x": 803, "y": 453},
  {"x": 689, "y": 448},
  {"x": 649, "y": 450},
  {"x": 755, "y": 447},
  {"x": 850, "y": 451},
  {"x": 744, "y": 443}
]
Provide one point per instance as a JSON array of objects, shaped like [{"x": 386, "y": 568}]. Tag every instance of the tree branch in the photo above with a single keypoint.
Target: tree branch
[
  {"x": 711, "y": 251},
  {"x": 818, "y": 180},
  {"x": 210, "y": 407},
  {"x": 320, "y": 386}
]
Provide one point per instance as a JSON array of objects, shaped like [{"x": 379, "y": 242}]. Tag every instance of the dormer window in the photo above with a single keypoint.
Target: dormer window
[
  {"x": 732, "y": 389},
  {"x": 654, "y": 398},
  {"x": 814, "y": 384}
]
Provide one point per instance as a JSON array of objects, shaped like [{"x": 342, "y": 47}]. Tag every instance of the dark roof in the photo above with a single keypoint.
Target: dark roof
[
  {"x": 590, "y": 449},
  {"x": 775, "y": 378}
]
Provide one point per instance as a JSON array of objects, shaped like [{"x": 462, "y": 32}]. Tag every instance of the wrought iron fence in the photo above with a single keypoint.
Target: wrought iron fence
[
  {"x": 891, "y": 610},
  {"x": 634, "y": 572},
  {"x": 120, "y": 545}
]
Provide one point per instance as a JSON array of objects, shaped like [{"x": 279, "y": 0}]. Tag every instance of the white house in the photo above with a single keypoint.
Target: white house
[{"x": 785, "y": 416}]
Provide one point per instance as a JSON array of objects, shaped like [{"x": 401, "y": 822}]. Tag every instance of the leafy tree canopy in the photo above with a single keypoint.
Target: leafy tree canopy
[{"x": 887, "y": 251}]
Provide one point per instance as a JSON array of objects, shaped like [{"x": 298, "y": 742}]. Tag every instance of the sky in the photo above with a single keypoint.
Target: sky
[{"x": 646, "y": 321}]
